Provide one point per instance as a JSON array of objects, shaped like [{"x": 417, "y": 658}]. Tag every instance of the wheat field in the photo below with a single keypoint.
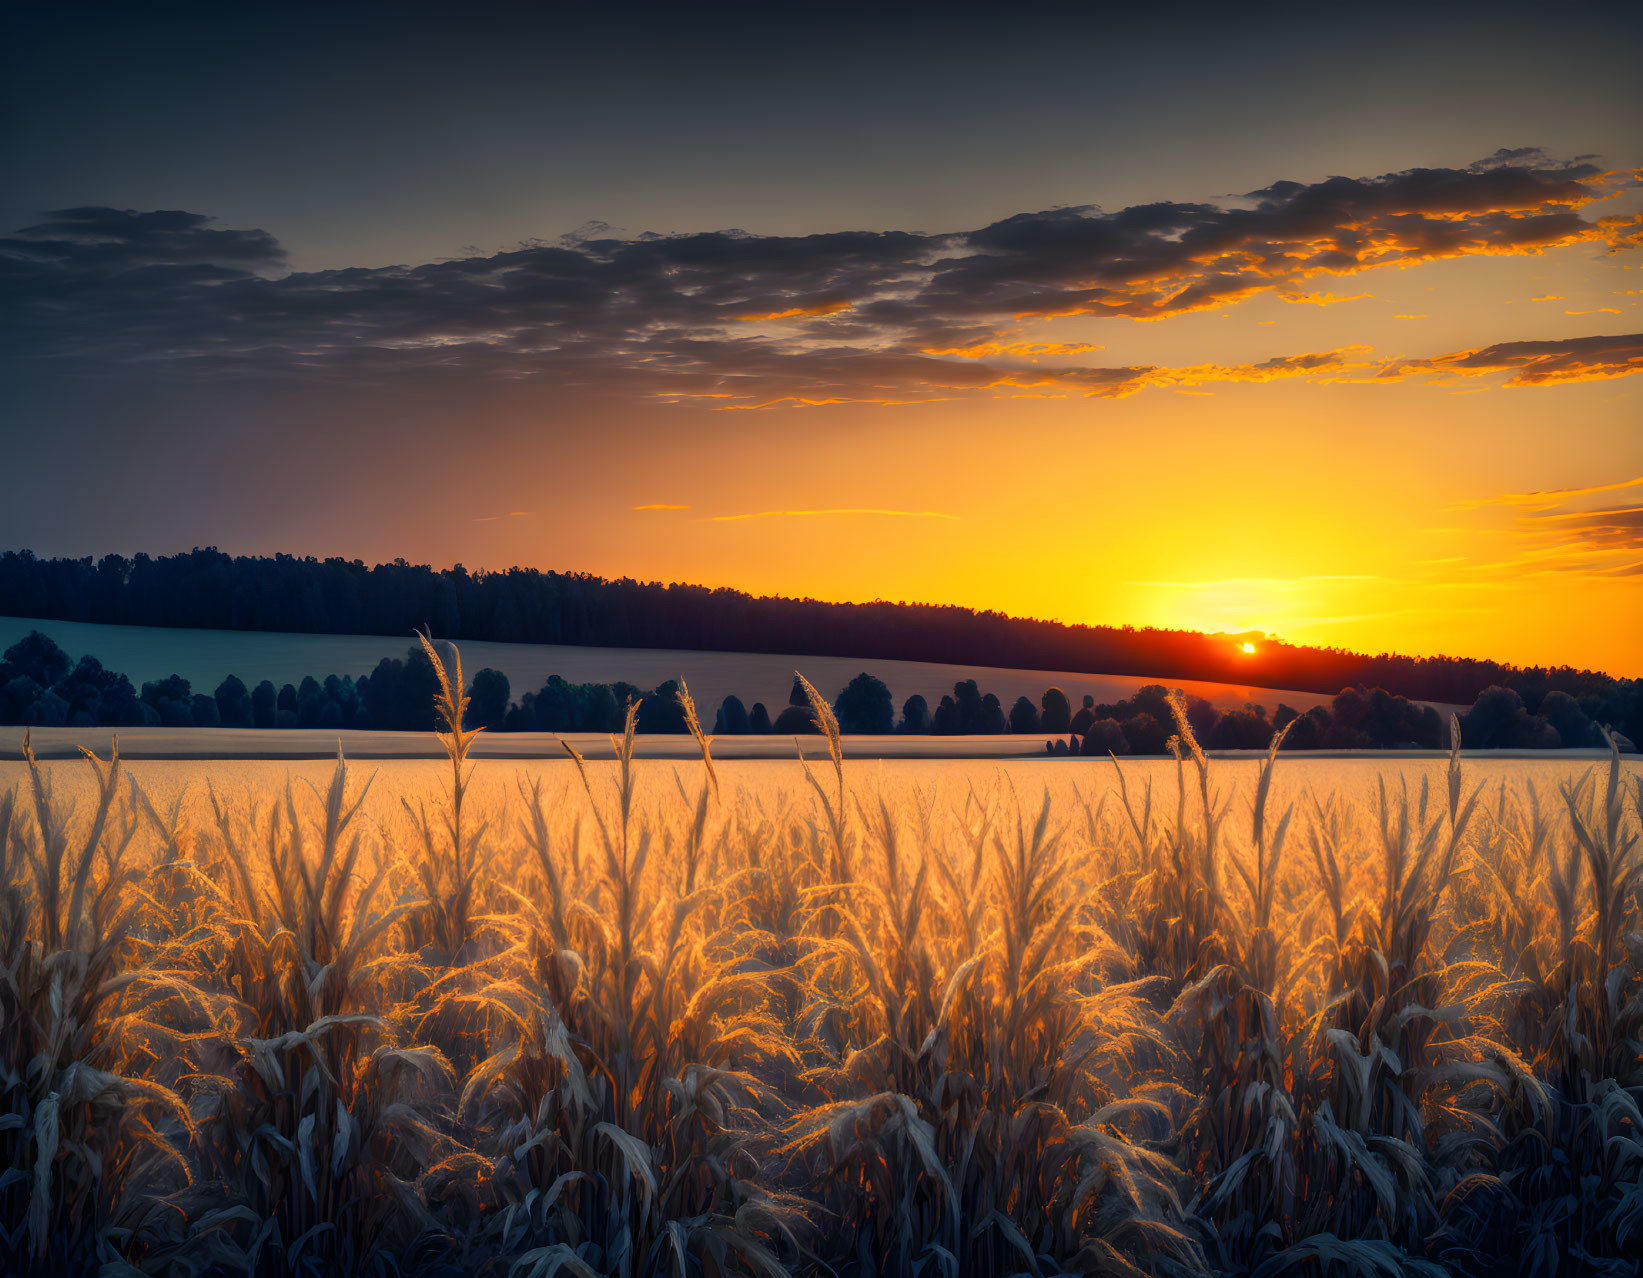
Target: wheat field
[{"x": 820, "y": 1018}]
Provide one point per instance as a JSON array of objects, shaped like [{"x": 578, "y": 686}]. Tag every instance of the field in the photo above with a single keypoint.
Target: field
[
  {"x": 910, "y": 1017},
  {"x": 206, "y": 657}
]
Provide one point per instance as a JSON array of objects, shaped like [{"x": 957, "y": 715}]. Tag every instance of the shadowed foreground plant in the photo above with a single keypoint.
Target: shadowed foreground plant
[
  {"x": 623, "y": 1097},
  {"x": 983, "y": 1132},
  {"x": 88, "y": 1142},
  {"x": 1570, "y": 1195},
  {"x": 319, "y": 1125},
  {"x": 449, "y": 866}
]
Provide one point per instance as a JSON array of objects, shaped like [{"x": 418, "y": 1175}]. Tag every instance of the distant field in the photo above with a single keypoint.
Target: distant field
[
  {"x": 778, "y": 780},
  {"x": 206, "y": 657}
]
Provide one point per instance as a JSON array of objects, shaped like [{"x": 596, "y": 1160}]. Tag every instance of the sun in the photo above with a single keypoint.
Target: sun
[{"x": 1249, "y": 649}]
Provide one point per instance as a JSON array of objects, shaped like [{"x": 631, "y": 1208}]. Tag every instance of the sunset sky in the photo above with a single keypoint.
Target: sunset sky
[{"x": 1327, "y": 327}]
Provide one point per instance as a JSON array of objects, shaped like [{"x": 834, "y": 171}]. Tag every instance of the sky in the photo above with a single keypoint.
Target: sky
[{"x": 1326, "y": 326}]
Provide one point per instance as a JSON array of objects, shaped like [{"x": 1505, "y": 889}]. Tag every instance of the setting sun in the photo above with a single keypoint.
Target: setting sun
[{"x": 1249, "y": 649}]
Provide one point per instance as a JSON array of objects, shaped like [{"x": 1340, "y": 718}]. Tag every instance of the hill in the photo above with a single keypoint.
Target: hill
[
  {"x": 206, "y": 657},
  {"x": 206, "y": 589}
]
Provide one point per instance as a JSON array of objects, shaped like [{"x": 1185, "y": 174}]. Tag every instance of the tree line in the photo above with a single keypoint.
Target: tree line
[
  {"x": 40, "y": 686},
  {"x": 206, "y": 588}
]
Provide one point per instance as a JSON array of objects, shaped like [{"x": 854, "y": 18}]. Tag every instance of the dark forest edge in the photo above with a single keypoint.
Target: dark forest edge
[
  {"x": 207, "y": 589},
  {"x": 41, "y": 687}
]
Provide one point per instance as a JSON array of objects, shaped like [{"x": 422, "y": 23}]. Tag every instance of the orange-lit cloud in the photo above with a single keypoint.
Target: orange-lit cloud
[
  {"x": 1548, "y": 498},
  {"x": 1322, "y": 299},
  {"x": 1544, "y": 363},
  {"x": 832, "y": 513},
  {"x": 169, "y": 290},
  {"x": 661, "y": 506},
  {"x": 793, "y": 312},
  {"x": 888, "y": 379},
  {"x": 1016, "y": 350}
]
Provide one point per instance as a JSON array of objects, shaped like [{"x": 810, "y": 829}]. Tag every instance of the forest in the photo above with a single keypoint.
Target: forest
[{"x": 206, "y": 588}]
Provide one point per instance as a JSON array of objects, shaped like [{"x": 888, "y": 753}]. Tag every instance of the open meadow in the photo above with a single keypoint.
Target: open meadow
[{"x": 937, "y": 1017}]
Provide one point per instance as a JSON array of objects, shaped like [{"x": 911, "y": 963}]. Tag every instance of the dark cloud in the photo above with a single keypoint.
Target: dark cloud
[
  {"x": 114, "y": 240},
  {"x": 731, "y": 313},
  {"x": 1543, "y": 363},
  {"x": 1619, "y": 527}
]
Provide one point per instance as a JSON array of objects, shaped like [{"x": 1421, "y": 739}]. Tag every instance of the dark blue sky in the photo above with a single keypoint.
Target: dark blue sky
[{"x": 370, "y": 135}]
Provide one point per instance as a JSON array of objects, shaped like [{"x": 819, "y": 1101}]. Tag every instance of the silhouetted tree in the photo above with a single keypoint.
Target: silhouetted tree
[
  {"x": 1024, "y": 716},
  {"x": 171, "y": 700},
  {"x": 758, "y": 718},
  {"x": 1574, "y": 726},
  {"x": 733, "y": 716},
  {"x": 487, "y": 700},
  {"x": 864, "y": 705},
  {"x": 1145, "y": 734},
  {"x": 1105, "y": 735},
  {"x": 263, "y": 699},
  {"x": 798, "y": 696},
  {"x": 48, "y": 710},
  {"x": 37, "y": 657},
  {"x": 16, "y": 696},
  {"x": 98, "y": 697},
  {"x": 1309, "y": 729},
  {"x": 233, "y": 703},
  {"x": 1204, "y": 717},
  {"x": 915, "y": 715},
  {"x": 398, "y": 695},
  {"x": 310, "y": 701},
  {"x": 1058, "y": 711},
  {"x": 521, "y": 717},
  {"x": 205, "y": 711},
  {"x": 660, "y": 712},
  {"x": 1240, "y": 730},
  {"x": 1499, "y": 721},
  {"x": 795, "y": 721}
]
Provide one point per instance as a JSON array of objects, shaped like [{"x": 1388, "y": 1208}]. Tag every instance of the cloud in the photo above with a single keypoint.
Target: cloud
[
  {"x": 1558, "y": 531},
  {"x": 838, "y": 511},
  {"x": 660, "y": 505},
  {"x": 859, "y": 315},
  {"x": 1616, "y": 526},
  {"x": 1544, "y": 363},
  {"x": 1548, "y": 498}
]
